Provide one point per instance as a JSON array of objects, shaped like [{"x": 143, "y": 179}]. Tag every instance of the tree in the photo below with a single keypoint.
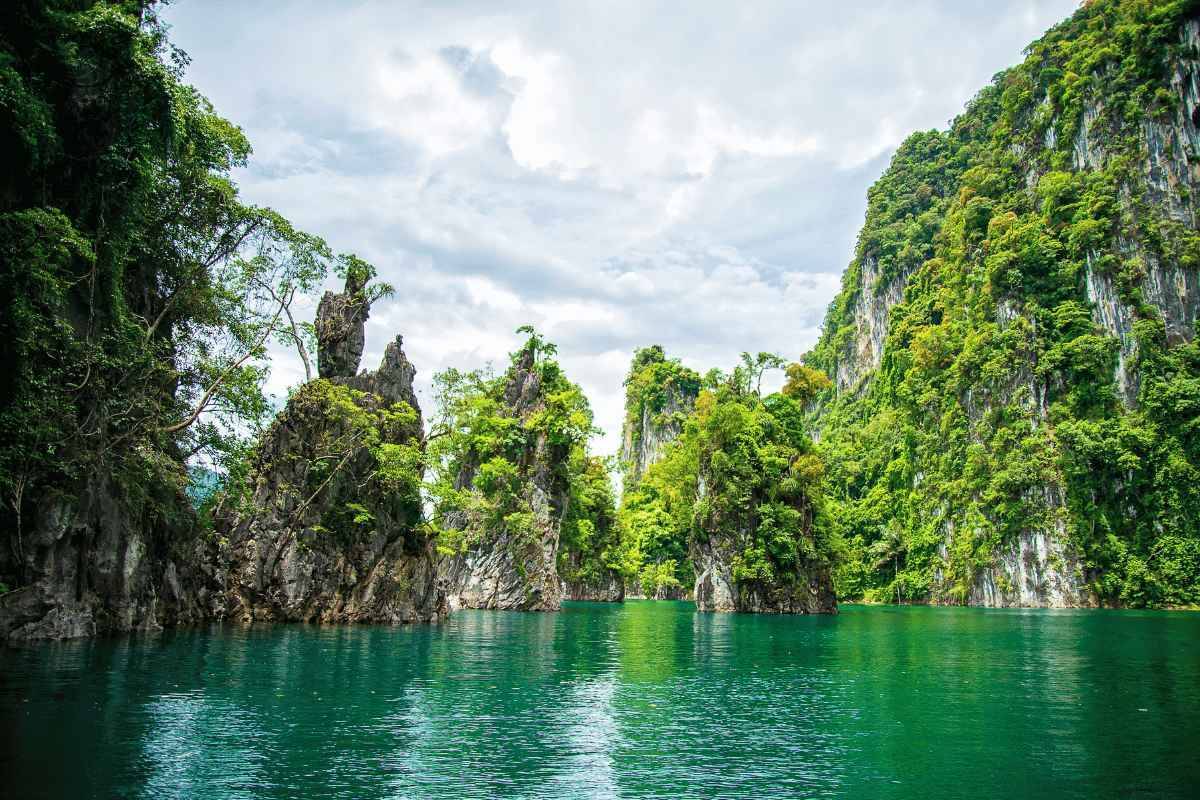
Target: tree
[
  {"x": 803, "y": 383},
  {"x": 750, "y": 371},
  {"x": 139, "y": 291}
]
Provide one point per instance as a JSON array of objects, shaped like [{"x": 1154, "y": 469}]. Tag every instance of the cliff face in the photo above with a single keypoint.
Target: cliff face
[
  {"x": 1168, "y": 172},
  {"x": 810, "y": 592},
  {"x": 609, "y": 589},
  {"x": 759, "y": 538},
  {"x": 644, "y": 440},
  {"x": 863, "y": 352},
  {"x": 510, "y": 564},
  {"x": 659, "y": 395},
  {"x": 107, "y": 562},
  {"x": 1046, "y": 324},
  {"x": 332, "y": 530},
  {"x": 754, "y": 548}
]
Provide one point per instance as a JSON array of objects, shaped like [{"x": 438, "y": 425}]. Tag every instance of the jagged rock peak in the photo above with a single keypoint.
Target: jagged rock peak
[
  {"x": 512, "y": 567},
  {"x": 660, "y": 393},
  {"x": 341, "y": 329},
  {"x": 345, "y": 545},
  {"x": 393, "y": 380},
  {"x": 521, "y": 393}
]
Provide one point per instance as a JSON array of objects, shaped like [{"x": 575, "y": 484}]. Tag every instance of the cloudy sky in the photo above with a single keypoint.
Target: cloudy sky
[{"x": 616, "y": 173}]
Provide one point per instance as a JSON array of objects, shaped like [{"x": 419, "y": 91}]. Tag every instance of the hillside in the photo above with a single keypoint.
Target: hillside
[{"x": 1016, "y": 383}]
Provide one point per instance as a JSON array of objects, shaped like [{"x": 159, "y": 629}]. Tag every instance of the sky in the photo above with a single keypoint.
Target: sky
[{"x": 617, "y": 174}]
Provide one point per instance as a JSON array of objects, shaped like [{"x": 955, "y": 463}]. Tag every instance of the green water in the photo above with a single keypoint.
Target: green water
[{"x": 637, "y": 700}]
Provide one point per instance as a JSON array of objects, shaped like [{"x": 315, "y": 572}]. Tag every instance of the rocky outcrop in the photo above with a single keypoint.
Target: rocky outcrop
[
  {"x": 341, "y": 329},
  {"x": 1170, "y": 170},
  {"x": 871, "y": 310},
  {"x": 645, "y": 441},
  {"x": 810, "y": 592},
  {"x": 611, "y": 589},
  {"x": 660, "y": 394},
  {"x": 103, "y": 561},
  {"x": 332, "y": 530},
  {"x": 327, "y": 536},
  {"x": 505, "y": 566},
  {"x": 727, "y": 534}
]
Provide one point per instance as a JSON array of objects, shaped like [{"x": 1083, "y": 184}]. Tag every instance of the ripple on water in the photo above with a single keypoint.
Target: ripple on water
[{"x": 638, "y": 700}]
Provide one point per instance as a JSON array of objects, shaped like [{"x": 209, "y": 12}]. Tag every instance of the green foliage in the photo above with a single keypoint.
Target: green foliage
[
  {"x": 995, "y": 410},
  {"x": 804, "y": 384},
  {"x": 654, "y": 381},
  {"x": 489, "y": 436},
  {"x": 139, "y": 292},
  {"x": 591, "y": 550},
  {"x": 742, "y": 476},
  {"x": 360, "y": 463}
]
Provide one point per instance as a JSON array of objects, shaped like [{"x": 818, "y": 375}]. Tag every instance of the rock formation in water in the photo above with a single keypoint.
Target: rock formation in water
[
  {"x": 516, "y": 494},
  {"x": 757, "y": 544},
  {"x": 332, "y": 529},
  {"x": 99, "y": 561},
  {"x": 659, "y": 394},
  {"x": 608, "y": 589},
  {"x": 1012, "y": 351},
  {"x": 101, "y": 312},
  {"x": 809, "y": 592}
]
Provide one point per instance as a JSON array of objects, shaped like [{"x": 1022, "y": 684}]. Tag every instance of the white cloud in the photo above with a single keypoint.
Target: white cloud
[{"x": 617, "y": 172}]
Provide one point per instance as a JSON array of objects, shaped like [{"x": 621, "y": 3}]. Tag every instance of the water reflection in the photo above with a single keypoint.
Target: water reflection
[{"x": 643, "y": 699}]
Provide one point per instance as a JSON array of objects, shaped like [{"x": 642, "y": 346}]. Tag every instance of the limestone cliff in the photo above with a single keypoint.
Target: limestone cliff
[
  {"x": 645, "y": 439},
  {"x": 332, "y": 528},
  {"x": 872, "y": 304},
  {"x": 341, "y": 329},
  {"x": 1168, "y": 169},
  {"x": 103, "y": 560},
  {"x": 756, "y": 545},
  {"x": 659, "y": 394},
  {"x": 608, "y": 589},
  {"x": 508, "y": 561},
  {"x": 717, "y": 590},
  {"x": 1025, "y": 294}
]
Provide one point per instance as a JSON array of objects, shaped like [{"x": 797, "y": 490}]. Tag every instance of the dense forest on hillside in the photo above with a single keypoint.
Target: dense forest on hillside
[
  {"x": 140, "y": 293},
  {"x": 1002, "y": 409},
  {"x": 1017, "y": 385}
]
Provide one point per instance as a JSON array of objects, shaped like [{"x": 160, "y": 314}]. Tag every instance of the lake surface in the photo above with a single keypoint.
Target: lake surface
[{"x": 643, "y": 699}]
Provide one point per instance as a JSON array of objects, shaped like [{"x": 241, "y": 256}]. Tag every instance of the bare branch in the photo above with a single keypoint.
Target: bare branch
[
  {"x": 208, "y": 395},
  {"x": 287, "y": 309}
]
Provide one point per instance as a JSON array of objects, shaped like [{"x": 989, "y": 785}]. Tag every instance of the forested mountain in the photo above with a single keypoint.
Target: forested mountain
[
  {"x": 723, "y": 495},
  {"x": 1014, "y": 413},
  {"x": 139, "y": 294},
  {"x": 1003, "y": 407}
]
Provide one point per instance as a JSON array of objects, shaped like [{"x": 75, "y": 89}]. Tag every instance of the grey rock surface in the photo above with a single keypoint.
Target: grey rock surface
[
  {"x": 287, "y": 561},
  {"x": 503, "y": 569},
  {"x": 341, "y": 330}
]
